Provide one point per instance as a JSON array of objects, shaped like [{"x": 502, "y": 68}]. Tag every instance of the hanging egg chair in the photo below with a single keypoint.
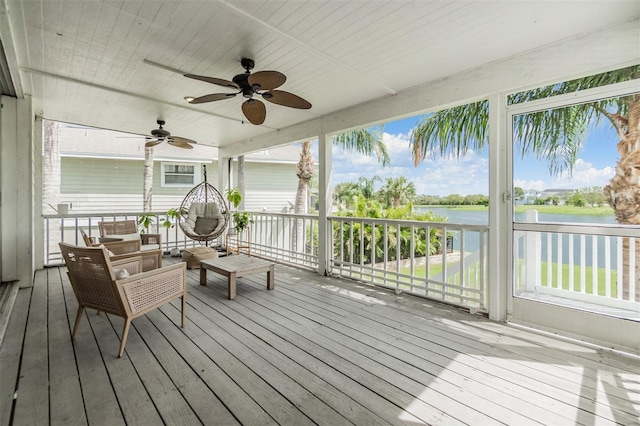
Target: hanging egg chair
[{"x": 203, "y": 213}]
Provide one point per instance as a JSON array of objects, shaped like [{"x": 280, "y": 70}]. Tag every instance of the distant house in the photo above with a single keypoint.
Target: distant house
[
  {"x": 102, "y": 171},
  {"x": 561, "y": 194}
]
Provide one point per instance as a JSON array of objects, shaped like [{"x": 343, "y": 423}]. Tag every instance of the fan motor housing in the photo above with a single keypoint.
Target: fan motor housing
[{"x": 160, "y": 133}]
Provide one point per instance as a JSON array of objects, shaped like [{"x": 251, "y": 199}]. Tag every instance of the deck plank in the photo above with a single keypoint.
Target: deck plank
[
  {"x": 230, "y": 393},
  {"x": 300, "y": 379},
  {"x": 385, "y": 401},
  {"x": 276, "y": 405},
  {"x": 11, "y": 351},
  {"x": 625, "y": 411},
  {"x": 170, "y": 403},
  {"x": 66, "y": 403},
  {"x": 342, "y": 345},
  {"x": 32, "y": 403},
  {"x": 205, "y": 404},
  {"x": 100, "y": 401},
  {"x": 316, "y": 350},
  {"x": 133, "y": 398}
]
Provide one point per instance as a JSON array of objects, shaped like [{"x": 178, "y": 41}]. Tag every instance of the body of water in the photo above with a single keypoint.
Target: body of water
[{"x": 482, "y": 218}]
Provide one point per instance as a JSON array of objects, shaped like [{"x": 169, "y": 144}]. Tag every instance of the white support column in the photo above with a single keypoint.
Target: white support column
[
  {"x": 16, "y": 189},
  {"x": 500, "y": 259},
  {"x": 38, "y": 223},
  {"x": 324, "y": 198}
]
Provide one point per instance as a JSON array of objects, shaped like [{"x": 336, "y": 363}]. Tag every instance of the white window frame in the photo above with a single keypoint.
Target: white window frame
[{"x": 196, "y": 175}]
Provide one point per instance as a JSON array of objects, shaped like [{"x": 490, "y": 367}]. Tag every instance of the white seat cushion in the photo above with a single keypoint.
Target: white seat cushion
[
  {"x": 206, "y": 210},
  {"x": 125, "y": 237}
]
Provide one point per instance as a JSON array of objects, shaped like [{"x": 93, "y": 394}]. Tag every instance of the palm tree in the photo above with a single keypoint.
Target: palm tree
[
  {"x": 397, "y": 191},
  {"x": 554, "y": 135},
  {"x": 365, "y": 141},
  {"x": 304, "y": 171},
  {"x": 147, "y": 180},
  {"x": 367, "y": 188},
  {"x": 51, "y": 166},
  {"x": 345, "y": 193}
]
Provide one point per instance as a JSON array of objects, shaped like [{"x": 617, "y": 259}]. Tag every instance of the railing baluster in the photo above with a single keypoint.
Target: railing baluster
[
  {"x": 632, "y": 269},
  {"x": 583, "y": 264},
  {"x": 594, "y": 264},
  {"x": 560, "y": 261},
  {"x": 571, "y": 262},
  {"x": 607, "y": 266}
]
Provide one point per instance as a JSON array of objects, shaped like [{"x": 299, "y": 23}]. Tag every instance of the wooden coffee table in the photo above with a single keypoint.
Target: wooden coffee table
[{"x": 236, "y": 266}]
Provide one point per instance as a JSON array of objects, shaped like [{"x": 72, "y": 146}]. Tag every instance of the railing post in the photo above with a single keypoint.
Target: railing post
[{"x": 532, "y": 254}]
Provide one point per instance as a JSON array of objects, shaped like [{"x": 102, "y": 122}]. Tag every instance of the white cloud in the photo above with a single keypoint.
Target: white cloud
[
  {"x": 531, "y": 185},
  {"x": 584, "y": 174}
]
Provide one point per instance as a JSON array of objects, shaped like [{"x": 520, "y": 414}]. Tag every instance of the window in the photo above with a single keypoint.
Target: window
[{"x": 177, "y": 174}]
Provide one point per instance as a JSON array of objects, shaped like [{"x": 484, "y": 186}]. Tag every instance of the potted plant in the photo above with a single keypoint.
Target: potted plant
[
  {"x": 146, "y": 220},
  {"x": 241, "y": 220}
]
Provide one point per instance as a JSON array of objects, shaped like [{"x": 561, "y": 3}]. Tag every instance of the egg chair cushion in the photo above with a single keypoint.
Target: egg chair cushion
[
  {"x": 205, "y": 225},
  {"x": 206, "y": 212}
]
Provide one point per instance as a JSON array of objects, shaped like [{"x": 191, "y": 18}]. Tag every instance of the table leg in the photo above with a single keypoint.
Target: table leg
[
  {"x": 270, "y": 278},
  {"x": 232, "y": 285},
  {"x": 203, "y": 276}
]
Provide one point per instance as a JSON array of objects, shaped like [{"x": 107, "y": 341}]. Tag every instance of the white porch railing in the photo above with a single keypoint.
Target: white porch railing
[
  {"x": 578, "y": 263},
  {"x": 287, "y": 238},
  {"x": 66, "y": 228},
  {"x": 575, "y": 263},
  {"x": 411, "y": 256}
]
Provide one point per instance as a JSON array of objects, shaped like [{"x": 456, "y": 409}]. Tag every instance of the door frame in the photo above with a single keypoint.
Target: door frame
[{"x": 571, "y": 322}]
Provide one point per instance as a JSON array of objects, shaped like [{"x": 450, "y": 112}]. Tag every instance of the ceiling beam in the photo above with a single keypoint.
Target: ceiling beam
[
  {"x": 608, "y": 49},
  {"x": 123, "y": 92}
]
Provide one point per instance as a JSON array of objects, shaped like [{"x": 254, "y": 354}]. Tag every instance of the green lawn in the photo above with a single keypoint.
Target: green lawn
[
  {"x": 419, "y": 271},
  {"x": 566, "y": 285}
]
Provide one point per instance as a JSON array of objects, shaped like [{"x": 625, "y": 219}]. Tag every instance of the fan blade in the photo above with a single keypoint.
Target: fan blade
[
  {"x": 213, "y": 80},
  {"x": 267, "y": 80},
  {"x": 255, "y": 111},
  {"x": 181, "y": 141},
  {"x": 287, "y": 99},
  {"x": 152, "y": 143},
  {"x": 212, "y": 97},
  {"x": 180, "y": 144}
]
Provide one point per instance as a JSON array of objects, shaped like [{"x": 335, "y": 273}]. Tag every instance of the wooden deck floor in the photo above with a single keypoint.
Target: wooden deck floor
[{"x": 313, "y": 351}]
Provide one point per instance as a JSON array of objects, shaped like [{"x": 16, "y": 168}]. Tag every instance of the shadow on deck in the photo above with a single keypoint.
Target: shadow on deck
[{"x": 316, "y": 350}]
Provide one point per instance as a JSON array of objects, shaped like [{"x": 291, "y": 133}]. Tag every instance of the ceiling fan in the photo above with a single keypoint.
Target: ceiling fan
[
  {"x": 260, "y": 83},
  {"x": 161, "y": 135}
]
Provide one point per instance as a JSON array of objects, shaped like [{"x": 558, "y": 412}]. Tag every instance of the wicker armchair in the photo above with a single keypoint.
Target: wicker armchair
[
  {"x": 118, "y": 287},
  {"x": 119, "y": 250},
  {"x": 127, "y": 230}
]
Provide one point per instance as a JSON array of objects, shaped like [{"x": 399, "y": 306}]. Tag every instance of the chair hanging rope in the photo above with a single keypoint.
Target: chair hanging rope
[{"x": 203, "y": 213}]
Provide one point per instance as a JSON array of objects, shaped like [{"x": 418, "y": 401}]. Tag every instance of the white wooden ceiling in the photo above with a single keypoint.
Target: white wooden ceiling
[{"x": 118, "y": 64}]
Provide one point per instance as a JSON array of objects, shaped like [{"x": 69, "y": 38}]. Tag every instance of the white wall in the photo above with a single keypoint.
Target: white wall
[{"x": 16, "y": 190}]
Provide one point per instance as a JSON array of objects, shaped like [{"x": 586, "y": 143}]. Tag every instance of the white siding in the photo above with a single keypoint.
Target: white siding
[{"x": 91, "y": 185}]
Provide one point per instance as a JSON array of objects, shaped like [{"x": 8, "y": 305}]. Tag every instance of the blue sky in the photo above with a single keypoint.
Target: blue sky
[{"x": 470, "y": 175}]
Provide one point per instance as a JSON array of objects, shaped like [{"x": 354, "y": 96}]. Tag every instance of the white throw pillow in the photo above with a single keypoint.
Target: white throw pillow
[
  {"x": 128, "y": 237},
  {"x": 120, "y": 273}
]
